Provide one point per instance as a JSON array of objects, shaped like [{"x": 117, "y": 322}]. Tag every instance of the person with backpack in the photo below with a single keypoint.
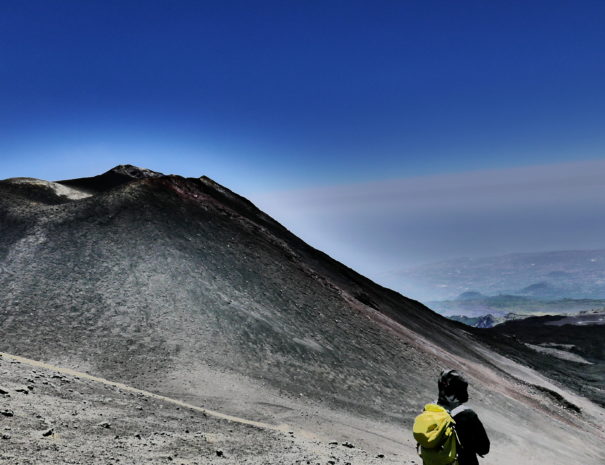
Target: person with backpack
[{"x": 448, "y": 432}]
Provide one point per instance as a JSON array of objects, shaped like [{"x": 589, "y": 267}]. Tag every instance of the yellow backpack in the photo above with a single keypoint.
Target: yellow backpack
[{"x": 436, "y": 437}]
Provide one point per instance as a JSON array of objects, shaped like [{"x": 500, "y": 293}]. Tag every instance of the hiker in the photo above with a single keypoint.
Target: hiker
[{"x": 442, "y": 441}]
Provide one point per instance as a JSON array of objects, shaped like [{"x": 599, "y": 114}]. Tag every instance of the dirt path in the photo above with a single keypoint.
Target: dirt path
[
  {"x": 50, "y": 414},
  {"x": 34, "y": 363}
]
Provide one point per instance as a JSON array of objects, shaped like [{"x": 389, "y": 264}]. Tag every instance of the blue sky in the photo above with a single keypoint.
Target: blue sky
[{"x": 268, "y": 97}]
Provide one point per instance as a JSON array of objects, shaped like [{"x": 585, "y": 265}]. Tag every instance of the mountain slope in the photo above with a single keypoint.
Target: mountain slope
[{"x": 182, "y": 287}]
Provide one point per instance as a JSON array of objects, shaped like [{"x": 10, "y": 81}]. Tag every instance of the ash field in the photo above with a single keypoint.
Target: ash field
[{"x": 158, "y": 319}]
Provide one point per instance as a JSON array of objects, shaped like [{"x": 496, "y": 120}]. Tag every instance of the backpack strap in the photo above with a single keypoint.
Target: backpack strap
[
  {"x": 453, "y": 412},
  {"x": 457, "y": 410}
]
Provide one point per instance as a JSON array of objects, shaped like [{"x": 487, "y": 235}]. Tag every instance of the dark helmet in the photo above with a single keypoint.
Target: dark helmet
[{"x": 452, "y": 385}]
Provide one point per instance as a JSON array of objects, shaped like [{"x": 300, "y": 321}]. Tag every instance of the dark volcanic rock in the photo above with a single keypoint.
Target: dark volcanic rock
[
  {"x": 115, "y": 177},
  {"x": 153, "y": 272},
  {"x": 185, "y": 288}
]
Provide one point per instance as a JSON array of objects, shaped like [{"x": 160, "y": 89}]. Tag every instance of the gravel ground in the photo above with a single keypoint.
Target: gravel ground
[{"x": 47, "y": 416}]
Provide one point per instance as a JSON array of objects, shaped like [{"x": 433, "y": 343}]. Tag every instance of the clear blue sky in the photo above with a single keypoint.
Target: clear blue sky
[{"x": 267, "y": 96}]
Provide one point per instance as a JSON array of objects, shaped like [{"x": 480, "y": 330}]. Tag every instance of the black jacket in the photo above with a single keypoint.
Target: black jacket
[{"x": 472, "y": 436}]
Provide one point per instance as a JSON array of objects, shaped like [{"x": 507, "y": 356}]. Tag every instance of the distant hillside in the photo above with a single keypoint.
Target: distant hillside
[
  {"x": 576, "y": 274},
  {"x": 575, "y": 345},
  {"x": 582, "y": 318},
  {"x": 501, "y": 305},
  {"x": 486, "y": 321}
]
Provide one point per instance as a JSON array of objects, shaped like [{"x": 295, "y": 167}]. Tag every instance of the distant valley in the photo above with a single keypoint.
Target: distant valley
[
  {"x": 504, "y": 304},
  {"x": 557, "y": 275},
  {"x": 583, "y": 318}
]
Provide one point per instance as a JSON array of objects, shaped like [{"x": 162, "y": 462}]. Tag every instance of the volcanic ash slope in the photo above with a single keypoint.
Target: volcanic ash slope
[
  {"x": 55, "y": 416},
  {"x": 181, "y": 287}
]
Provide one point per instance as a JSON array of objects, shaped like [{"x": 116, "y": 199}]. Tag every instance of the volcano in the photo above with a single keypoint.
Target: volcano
[{"x": 183, "y": 288}]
